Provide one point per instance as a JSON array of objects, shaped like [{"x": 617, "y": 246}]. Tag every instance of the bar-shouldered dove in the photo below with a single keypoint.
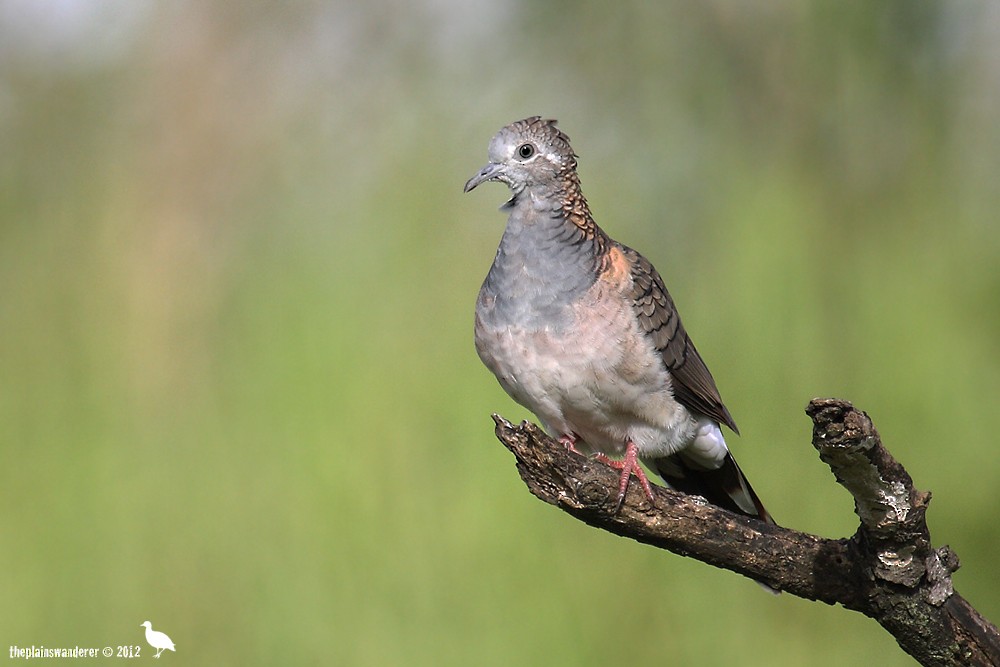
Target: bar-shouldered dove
[{"x": 581, "y": 330}]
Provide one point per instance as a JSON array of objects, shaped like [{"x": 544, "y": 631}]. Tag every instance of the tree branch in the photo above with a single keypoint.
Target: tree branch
[{"x": 887, "y": 570}]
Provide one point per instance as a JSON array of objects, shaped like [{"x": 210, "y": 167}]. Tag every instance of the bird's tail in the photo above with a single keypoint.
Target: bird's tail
[{"x": 725, "y": 486}]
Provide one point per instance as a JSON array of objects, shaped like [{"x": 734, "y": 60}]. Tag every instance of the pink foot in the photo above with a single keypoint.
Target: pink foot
[
  {"x": 629, "y": 466},
  {"x": 568, "y": 440}
]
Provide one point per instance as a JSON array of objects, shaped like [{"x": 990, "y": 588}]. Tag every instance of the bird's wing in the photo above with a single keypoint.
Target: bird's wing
[{"x": 694, "y": 387}]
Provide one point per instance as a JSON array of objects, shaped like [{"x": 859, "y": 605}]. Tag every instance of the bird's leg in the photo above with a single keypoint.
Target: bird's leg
[
  {"x": 568, "y": 440},
  {"x": 629, "y": 466}
]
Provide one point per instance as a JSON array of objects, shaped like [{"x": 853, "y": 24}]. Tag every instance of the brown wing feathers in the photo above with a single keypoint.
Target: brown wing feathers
[{"x": 694, "y": 387}]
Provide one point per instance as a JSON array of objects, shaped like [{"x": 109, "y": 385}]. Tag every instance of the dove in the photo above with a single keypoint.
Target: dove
[{"x": 581, "y": 330}]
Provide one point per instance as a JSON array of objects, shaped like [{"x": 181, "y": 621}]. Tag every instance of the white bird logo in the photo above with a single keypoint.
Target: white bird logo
[{"x": 156, "y": 639}]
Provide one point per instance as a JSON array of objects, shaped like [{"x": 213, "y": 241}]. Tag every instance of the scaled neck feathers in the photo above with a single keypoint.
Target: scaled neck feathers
[{"x": 574, "y": 209}]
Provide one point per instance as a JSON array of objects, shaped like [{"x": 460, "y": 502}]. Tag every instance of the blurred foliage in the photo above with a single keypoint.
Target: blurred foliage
[{"x": 238, "y": 394}]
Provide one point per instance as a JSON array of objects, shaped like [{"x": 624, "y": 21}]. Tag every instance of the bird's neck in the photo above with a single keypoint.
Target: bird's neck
[
  {"x": 574, "y": 210},
  {"x": 556, "y": 214},
  {"x": 551, "y": 250}
]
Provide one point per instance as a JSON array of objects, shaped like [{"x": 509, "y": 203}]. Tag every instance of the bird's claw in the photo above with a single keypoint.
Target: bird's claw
[
  {"x": 629, "y": 466},
  {"x": 568, "y": 440}
]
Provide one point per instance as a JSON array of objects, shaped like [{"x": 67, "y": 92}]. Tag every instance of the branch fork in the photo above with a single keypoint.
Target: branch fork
[{"x": 888, "y": 570}]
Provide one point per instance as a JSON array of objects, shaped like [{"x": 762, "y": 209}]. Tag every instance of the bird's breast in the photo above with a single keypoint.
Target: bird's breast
[{"x": 588, "y": 370}]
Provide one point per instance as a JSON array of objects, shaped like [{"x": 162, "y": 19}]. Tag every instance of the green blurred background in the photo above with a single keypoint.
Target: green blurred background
[{"x": 238, "y": 392}]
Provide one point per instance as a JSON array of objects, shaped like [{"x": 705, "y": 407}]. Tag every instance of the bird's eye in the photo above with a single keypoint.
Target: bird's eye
[{"x": 525, "y": 151}]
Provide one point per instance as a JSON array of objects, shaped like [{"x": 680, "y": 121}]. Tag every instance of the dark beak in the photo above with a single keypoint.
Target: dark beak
[{"x": 487, "y": 173}]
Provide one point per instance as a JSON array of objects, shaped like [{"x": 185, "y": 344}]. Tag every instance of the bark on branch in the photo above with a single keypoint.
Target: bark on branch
[{"x": 888, "y": 570}]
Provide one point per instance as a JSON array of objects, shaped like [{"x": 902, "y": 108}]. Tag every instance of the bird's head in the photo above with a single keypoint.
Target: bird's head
[
  {"x": 146, "y": 624},
  {"x": 529, "y": 152}
]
